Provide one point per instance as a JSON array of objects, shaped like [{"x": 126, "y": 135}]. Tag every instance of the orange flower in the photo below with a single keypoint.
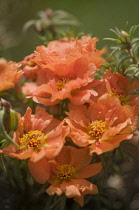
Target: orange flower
[
  {"x": 9, "y": 74},
  {"x": 115, "y": 85},
  {"x": 102, "y": 125},
  {"x": 121, "y": 87},
  {"x": 67, "y": 173},
  {"x": 68, "y": 65},
  {"x": 38, "y": 135},
  {"x": 30, "y": 68}
]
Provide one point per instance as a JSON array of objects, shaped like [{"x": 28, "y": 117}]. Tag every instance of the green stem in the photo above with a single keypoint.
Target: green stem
[{"x": 129, "y": 48}]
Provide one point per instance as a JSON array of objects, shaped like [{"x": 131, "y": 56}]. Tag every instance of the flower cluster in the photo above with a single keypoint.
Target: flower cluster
[{"x": 84, "y": 115}]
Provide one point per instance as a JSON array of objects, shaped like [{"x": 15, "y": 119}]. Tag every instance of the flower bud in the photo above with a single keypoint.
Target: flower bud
[
  {"x": 5, "y": 104},
  {"x": 10, "y": 119},
  {"x": 13, "y": 120},
  {"x": 124, "y": 34},
  {"x": 49, "y": 13}
]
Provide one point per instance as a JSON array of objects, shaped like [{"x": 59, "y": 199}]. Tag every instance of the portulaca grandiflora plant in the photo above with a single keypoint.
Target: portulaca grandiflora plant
[{"x": 78, "y": 113}]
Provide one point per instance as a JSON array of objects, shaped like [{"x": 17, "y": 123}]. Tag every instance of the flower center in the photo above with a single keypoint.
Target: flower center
[
  {"x": 33, "y": 139},
  {"x": 65, "y": 172},
  {"x": 120, "y": 96},
  {"x": 61, "y": 83},
  {"x": 31, "y": 63},
  {"x": 96, "y": 128}
]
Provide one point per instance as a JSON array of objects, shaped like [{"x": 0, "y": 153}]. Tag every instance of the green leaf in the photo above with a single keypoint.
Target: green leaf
[
  {"x": 131, "y": 155},
  {"x": 134, "y": 55},
  {"x": 106, "y": 65},
  {"x": 118, "y": 31},
  {"x": 136, "y": 77},
  {"x": 122, "y": 60},
  {"x": 2, "y": 163},
  {"x": 63, "y": 202},
  {"x": 28, "y": 25},
  {"x": 135, "y": 40},
  {"x": 133, "y": 30},
  {"x": 4, "y": 143},
  {"x": 115, "y": 32},
  {"x": 123, "y": 40},
  {"x": 113, "y": 40},
  {"x": 134, "y": 92},
  {"x": 115, "y": 50}
]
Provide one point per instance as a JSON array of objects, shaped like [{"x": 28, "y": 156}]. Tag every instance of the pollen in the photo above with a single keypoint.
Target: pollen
[
  {"x": 65, "y": 172},
  {"x": 61, "y": 83},
  {"x": 96, "y": 128},
  {"x": 33, "y": 139},
  {"x": 120, "y": 96}
]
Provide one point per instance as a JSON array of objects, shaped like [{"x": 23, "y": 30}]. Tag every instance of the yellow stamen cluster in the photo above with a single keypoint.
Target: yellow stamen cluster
[
  {"x": 61, "y": 83},
  {"x": 65, "y": 172},
  {"x": 96, "y": 128},
  {"x": 33, "y": 139},
  {"x": 31, "y": 63},
  {"x": 120, "y": 96}
]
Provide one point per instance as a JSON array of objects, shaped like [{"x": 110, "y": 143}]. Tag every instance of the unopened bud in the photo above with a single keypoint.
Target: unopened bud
[
  {"x": 5, "y": 104},
  {"x": 49, "y": 13},
  {"x": 13, "y": 120},
  {"x": 124, "y": 34}
]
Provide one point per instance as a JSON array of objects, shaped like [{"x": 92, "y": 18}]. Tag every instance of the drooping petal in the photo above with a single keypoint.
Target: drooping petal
[
  {"x": 54, "y": 189},
  {"x": 40, "y": 170},
  {"x": 70, "y": 189}
]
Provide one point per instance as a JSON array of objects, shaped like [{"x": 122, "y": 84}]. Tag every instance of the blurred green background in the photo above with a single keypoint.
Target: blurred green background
[{"x": 96, "y": 16}]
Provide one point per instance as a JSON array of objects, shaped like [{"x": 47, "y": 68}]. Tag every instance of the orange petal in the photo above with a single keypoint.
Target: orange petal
[
  {"x": 90, "y": 170},
  {"x": 80, "y": 157},
  {"x": 40, "y": 170},
  {"x": 110, "y": 144},
  {"x": 20, "y": 156},
  {"x": 54, "y": 189},
  {"x": 76, "y": 157},
  {"x": 79, "y": 114},
  {"x": 70, "y": 189},
  {"x": 85, "y": 186},
  {"x": 64, "y": 157},
  {"x": 36, "y": 156},
  {"x": 82, "y": 97},
  {"x": 27, "y": 120},
  {"x": 79, "y": 199}
]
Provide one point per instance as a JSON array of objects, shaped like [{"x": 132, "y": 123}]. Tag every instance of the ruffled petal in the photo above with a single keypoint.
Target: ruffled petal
[{"x": 54, "y": 189}]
